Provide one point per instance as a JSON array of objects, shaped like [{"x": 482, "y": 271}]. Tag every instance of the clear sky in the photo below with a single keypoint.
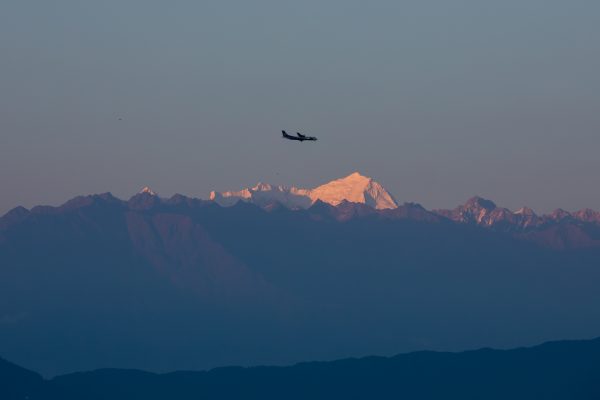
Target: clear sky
[{"x": 439, "y": 100}]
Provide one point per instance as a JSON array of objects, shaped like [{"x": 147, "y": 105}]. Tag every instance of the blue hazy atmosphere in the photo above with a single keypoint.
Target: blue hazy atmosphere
[{"x": 437, "y": 100}]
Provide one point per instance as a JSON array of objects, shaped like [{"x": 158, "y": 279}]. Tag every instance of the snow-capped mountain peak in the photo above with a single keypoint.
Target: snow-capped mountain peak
[
  {"x": 262, "y": 187},
  {"x": 147, "y": 190},
  {"x": 525, "y": 211},
  {"x": 355, "y": 188}
]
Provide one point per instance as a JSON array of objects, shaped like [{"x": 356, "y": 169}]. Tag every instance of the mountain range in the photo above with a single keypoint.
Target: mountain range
[
  {"x": 183, "y": 283},
  {"x": 557, "y": 370},
  {"x": 354, "y": 188},
  {"x": 560, "y": 229}
]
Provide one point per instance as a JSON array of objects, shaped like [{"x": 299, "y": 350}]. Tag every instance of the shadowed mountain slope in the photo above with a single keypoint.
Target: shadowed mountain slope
[
  {"x": 180, "y": 283},
  {"x": 20, "y": 383}
]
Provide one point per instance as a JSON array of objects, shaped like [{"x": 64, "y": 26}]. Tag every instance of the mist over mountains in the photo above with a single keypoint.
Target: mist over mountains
[{"x": 183, "y": 283}]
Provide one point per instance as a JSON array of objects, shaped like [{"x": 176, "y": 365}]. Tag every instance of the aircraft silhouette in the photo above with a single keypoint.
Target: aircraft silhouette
[{"x": 300, "y": 137}]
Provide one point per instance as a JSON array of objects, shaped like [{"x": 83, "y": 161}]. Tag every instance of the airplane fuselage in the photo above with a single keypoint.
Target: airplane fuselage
[{"x": 299, "y": 138}]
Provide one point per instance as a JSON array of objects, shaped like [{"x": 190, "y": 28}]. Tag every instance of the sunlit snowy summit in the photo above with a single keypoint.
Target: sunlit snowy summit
[{"x": 354, "y": 188}]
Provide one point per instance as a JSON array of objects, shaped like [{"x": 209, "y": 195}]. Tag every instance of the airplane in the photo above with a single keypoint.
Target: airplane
[{"x": 300, "y": 137}]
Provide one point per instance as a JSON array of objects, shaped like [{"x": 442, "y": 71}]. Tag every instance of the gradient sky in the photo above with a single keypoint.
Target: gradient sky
[{"x": 438, "y": 100}]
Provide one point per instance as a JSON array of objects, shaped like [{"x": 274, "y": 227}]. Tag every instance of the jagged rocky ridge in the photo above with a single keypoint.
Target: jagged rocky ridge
[
  {"x": 559, "y": 229},
  {"x": 486, "y": 213},
  {"x": 359, "y": 196},
  {"x": 360, "y": 189}
]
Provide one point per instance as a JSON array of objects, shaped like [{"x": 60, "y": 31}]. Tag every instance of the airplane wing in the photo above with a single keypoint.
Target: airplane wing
[
  {"x": 301, "y": 136},
  {"x": 290, "y": 137}
]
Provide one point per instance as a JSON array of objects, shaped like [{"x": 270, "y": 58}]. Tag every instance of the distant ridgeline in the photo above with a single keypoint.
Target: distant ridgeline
[
  {"x": 560, "y": 229},
  {"x": 559, "y": 370},
  {"x": 181, "y": 283}
]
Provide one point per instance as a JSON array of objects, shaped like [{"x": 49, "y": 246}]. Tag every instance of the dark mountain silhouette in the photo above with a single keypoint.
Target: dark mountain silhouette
[
  {"x": 180, "y": 283},
  {"x": 557, "y": 370},
  {"x": 20, "y": 383}
]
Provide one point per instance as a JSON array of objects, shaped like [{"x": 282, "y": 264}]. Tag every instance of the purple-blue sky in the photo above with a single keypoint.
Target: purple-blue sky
[{"x": 438, "y": 100}]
